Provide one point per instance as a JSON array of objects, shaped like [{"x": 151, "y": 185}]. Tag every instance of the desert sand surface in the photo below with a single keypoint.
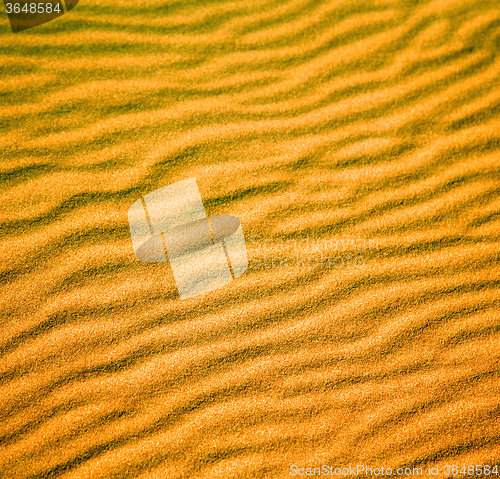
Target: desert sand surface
[{"x": 358, "y": 142}]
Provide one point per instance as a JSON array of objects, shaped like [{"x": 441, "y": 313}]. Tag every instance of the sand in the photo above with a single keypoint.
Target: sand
[{"x": 359, "y": 144}]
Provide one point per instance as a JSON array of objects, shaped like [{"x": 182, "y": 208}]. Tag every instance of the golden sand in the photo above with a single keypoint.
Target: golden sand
[{"x": 323, "y": 126}]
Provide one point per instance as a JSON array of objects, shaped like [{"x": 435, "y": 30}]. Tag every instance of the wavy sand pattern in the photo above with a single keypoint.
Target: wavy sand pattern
[{"x": 358, "y": 141}]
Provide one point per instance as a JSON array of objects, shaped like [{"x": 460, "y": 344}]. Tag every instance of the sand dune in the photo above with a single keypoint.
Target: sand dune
[{"x": 359, "y": 144}]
